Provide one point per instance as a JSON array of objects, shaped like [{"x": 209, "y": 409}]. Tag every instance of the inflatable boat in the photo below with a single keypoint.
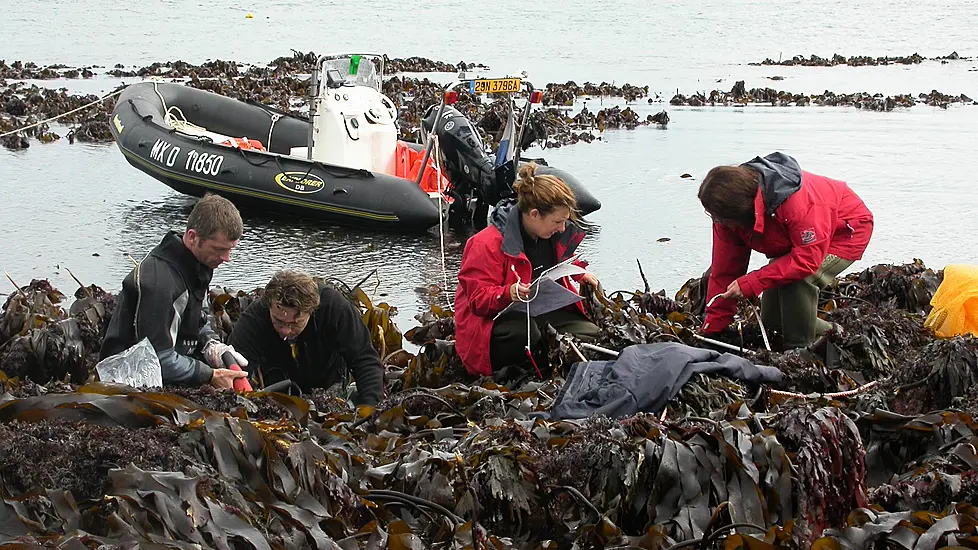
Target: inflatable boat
[{"x": 346, "y": 167}]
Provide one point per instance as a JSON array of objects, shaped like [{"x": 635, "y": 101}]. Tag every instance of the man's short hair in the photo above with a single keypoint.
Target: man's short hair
[
  {"x": 293, "y": 289},
  {"x": 214, "y": 214}
]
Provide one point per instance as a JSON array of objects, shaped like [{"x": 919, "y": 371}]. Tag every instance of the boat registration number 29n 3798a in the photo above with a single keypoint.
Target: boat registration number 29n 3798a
[
  {"x": 168, "y": 155},
  {"x": 495, "y": 85}
]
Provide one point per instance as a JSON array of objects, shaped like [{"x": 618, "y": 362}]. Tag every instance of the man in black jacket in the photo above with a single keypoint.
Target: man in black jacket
[
  {"x": 162, "y": 299},
  {"x": 310, "y": 334}
]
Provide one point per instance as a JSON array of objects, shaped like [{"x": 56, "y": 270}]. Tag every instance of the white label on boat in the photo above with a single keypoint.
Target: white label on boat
[
  {"x": 164, "y": 153},
  {"x": 203, "y": 163}
]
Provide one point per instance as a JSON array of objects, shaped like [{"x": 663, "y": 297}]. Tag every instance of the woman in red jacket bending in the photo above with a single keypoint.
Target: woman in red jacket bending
[
  {"x": 527, "y": 236},
  {"x": 811, "y": 228}
]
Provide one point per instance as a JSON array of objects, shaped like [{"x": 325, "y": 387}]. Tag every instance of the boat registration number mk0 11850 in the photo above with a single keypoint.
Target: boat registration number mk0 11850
[
  {"x": 168, "y": 154},
  {"x": 495, "y": 86}
]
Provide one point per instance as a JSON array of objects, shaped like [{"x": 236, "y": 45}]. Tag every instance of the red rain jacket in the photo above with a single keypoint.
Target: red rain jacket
[
  {"x": 486, "y": 274},
  {"x": 800, "y": 218}
]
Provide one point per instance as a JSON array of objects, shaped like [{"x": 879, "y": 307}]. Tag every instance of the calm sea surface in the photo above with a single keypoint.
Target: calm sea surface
[{"x": 83, "y": 207}]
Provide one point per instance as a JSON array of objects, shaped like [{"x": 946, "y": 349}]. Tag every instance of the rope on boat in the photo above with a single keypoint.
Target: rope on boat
[
  {"x": 83, "y": 107},
  {"x": 170, "y": 115},
  {"x": 441, "y": 216}
]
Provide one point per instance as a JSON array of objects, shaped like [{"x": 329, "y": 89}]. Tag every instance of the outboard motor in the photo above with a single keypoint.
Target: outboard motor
[{"x": 467, "y": 165}]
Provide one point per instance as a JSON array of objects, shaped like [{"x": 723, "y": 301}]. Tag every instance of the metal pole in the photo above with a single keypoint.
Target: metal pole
[
  {"x": 430, "y": 141},
  {"x": 760, "y": 322},
  {"x": 717, "y": 343},
  {"x": 313, "y": 102},
  {"x": 526, "y": 119},
  {"x": 592, "y": 347}
]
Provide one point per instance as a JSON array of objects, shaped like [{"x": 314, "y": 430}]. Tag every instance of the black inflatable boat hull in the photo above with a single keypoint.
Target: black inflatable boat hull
[{"x": 270, "y": 181}]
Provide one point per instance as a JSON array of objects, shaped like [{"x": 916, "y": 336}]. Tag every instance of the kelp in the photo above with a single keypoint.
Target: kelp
[
  {"x": 955, "y": 527},
  {"x": 39, "y": 340},
  {"x": 909, "y": 287},
  {"x": 944, "y": 371},
  {"x": 448, "y": 460}
]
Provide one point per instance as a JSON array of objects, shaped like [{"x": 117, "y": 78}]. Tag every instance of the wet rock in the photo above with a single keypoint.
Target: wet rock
[
  {"x": 94, "y": 130},
  {"x": 565, "y": 94},
  {"x": 15, "y": 141},
  {"x": 739, "y": 90},
  {"x": 661, "y": 118},
  {"x": 616, "y": 117},
  {"x": 19, "y": 70},
  {"x": 836, "y": 59},
  {"x": 425, "y": 65},
  {"x": 15, "y": 106},
  {"x": 740, "y": 95}
]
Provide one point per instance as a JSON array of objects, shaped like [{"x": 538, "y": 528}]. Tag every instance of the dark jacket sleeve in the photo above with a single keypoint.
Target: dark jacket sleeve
[
  {"x": 159, "y": 305},
  {"x": 351, "y": 340},
  {"x": 248, "y": 334}
]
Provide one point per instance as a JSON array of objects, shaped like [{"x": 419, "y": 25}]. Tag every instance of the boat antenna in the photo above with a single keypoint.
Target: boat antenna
[{"x": 313, "y": 97}]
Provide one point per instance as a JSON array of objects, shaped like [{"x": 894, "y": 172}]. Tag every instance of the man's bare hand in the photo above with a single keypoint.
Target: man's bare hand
[{"x": 224, "y": 378}]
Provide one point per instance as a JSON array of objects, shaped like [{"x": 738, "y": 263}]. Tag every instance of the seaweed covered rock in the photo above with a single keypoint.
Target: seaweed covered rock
[
  {"x": 908, "y": 286},
  {"x": 925, "y": 462},
  {"x": 940, "y": 378},
  {"x": 77, "y": 456},
  {"x": 826, "y": 447},
  {"x": 42, "y": 342}
]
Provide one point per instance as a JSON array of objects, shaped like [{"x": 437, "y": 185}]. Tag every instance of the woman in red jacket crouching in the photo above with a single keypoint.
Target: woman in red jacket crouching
[
  {"x": 810, "y": 226},
  {"x": 526, "y": 237}
]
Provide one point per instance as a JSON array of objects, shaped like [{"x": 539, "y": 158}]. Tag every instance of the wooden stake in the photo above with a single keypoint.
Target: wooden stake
[
  {"x": 642, "y": 273},
  {"x": 9, "y": 278},
  {"x": 85, "y": 288},
  {"x": 577, "y": 351}
]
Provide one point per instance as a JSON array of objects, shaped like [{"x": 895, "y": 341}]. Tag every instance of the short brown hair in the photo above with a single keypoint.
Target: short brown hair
[
  {"x": 545, "y": 192},
  {"x": 214, "y": 214},
  {"x": 728, "y": 193},
  {"x": 292, "y": 288}
]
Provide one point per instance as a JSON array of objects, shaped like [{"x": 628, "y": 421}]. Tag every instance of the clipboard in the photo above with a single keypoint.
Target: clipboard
[{"x": 546, "y": 294}]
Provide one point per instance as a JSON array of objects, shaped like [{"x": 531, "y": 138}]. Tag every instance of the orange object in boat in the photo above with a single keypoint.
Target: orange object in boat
[
  {"x": 407, "y": 164},
  {"x": 244, "y": 143}
]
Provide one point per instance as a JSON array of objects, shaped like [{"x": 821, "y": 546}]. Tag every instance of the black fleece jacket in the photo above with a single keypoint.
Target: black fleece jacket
[{"x": 335, "y": 340}]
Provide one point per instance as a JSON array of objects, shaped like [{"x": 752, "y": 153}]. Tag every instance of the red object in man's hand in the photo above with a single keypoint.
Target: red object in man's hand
[{"x": 240, "y": 384}]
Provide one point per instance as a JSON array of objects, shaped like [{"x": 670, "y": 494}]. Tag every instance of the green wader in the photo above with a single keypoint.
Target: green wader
[
  {"x": 792, "y": 309},
  {"x": 507, "y": 345}
]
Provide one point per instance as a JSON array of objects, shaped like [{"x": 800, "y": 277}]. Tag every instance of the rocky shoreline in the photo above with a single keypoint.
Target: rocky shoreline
[
  {"x": 282, "y": 84},
  {"x": 869, "y": 439}
]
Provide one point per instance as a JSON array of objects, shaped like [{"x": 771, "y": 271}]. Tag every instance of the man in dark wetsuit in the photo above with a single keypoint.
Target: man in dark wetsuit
[
  {"x": 162, "y": 299},
  {"x": 310, "y": 334}
]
